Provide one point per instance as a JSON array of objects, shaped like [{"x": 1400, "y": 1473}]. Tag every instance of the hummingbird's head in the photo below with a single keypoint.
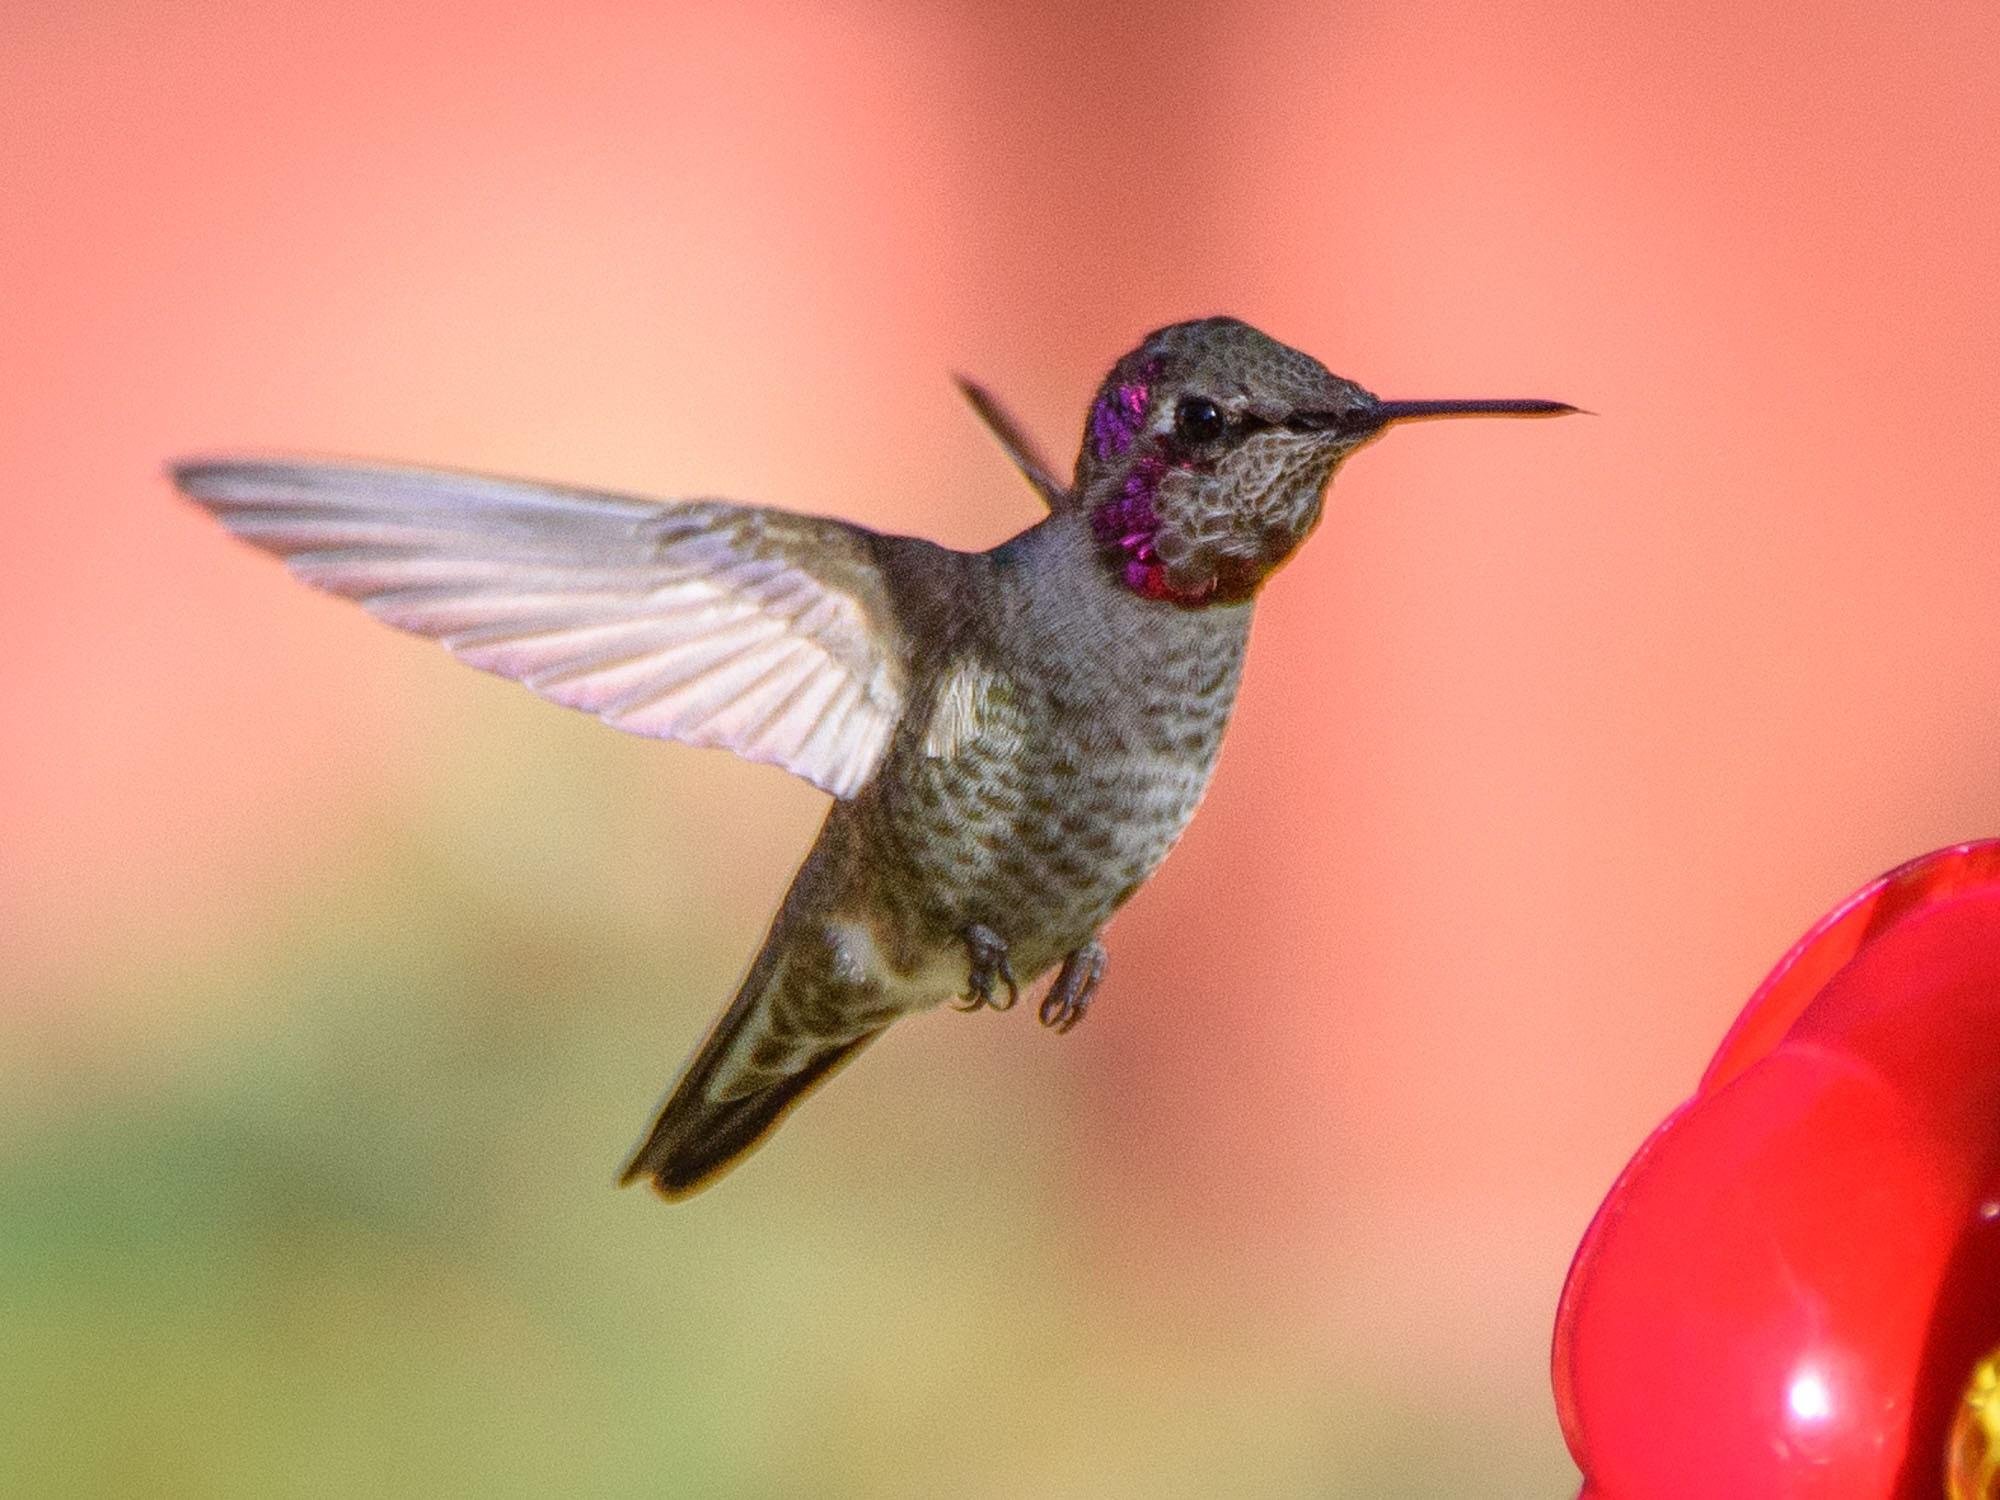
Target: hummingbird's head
[{"x": 1208, "y": 452}]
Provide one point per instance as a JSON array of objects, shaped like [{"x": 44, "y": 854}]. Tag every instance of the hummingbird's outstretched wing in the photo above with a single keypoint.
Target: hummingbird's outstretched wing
[
  {"x": 1015, "y": 443},
  {"x": 763, "y": 632}
]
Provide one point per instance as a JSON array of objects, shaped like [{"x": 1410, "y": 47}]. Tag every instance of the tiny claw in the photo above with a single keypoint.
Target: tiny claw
[
  {"x": 1063, "y": 1006},
  {"x": 988, "y": 951}
]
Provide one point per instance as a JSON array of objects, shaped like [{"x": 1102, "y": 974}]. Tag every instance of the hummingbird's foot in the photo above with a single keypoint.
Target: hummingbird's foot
[
  {"x": 989, "y": 965},
  {"x": 1063, "y": 1006}
]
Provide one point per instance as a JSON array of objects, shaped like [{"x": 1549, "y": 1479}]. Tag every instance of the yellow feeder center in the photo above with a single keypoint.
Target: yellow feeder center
[{"x": 1972, "y": 1453}]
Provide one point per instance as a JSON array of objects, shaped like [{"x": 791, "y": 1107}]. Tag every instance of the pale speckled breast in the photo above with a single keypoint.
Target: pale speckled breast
[{"x": 1097, "y": 729}]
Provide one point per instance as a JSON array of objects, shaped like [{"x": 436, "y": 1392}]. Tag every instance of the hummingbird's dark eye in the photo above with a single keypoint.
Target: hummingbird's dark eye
[{"x": 1198, "y": 420}]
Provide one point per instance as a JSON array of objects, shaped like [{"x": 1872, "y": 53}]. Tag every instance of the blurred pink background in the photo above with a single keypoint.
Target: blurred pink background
[{"x": 1553, "y": 739}]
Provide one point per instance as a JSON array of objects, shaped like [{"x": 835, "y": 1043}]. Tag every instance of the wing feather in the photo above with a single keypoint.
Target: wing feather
[
  {"x": 762, "y": 632},
  {"x": 1016, "y": 444}
]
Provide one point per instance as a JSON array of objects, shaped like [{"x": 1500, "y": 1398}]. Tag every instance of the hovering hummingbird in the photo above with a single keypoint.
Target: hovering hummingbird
[{"x": 1013, "y": 738}]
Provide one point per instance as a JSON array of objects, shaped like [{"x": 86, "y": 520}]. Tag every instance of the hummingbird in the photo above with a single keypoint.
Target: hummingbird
[{"x": 1013, "y": 738}]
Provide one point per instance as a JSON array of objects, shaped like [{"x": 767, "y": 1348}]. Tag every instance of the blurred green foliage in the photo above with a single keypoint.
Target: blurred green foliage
[{"x": 349, "y": 1229}]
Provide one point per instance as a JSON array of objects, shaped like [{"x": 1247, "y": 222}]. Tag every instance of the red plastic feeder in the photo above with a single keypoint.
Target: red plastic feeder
[{"x": 1794, "y": 1287}]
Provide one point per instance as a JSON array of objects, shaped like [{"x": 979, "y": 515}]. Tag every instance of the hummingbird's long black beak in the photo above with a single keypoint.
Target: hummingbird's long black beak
[
  {"x": 1386, "y": 412},
  {"x": 1371, "y": 416}
]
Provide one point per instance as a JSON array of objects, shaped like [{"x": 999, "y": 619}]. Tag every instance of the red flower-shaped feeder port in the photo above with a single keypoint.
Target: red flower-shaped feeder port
[{"x": 1794, "y": 1287}]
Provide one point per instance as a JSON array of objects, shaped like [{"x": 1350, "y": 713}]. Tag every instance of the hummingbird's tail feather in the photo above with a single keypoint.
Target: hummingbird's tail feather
[
  {"x": 696, "y": 1140},
  {"x": 761, "y": 1058}
]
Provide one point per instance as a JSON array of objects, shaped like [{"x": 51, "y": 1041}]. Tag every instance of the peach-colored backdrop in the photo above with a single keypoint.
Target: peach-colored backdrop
[{"x": 1552, "y": 740}]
